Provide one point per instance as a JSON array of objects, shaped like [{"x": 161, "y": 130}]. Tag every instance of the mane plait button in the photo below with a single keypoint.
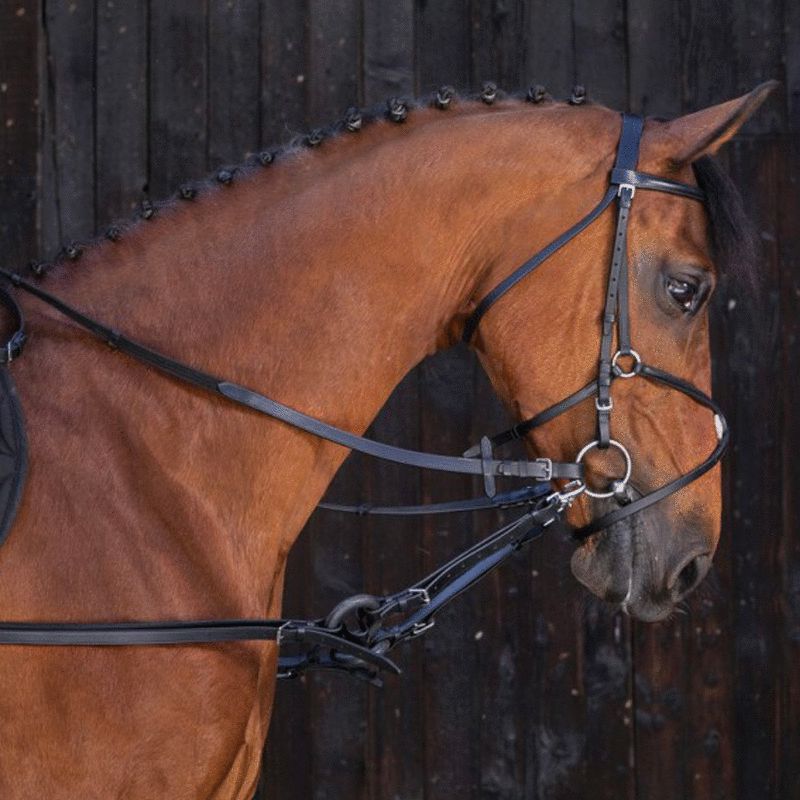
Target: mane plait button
[
  {"x": 314, "y": 137},
  {"x": 489, "y": 93},
  {"x": 536, "y": 93},
  {"x": 353, "y": 120},
  {"x": 444, "y": 97},
  {"x": 188, "y": 192},
  {"x": 578, "y": 96},
  {"x": 397, "y": 109},
  {"x": 73, "y": 251}
]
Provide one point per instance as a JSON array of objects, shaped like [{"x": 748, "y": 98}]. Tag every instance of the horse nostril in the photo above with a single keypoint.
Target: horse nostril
[{"x": 689, "y": 575}]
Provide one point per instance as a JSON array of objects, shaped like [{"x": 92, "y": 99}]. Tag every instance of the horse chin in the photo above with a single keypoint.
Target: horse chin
[{"x": 638, "y": 565}]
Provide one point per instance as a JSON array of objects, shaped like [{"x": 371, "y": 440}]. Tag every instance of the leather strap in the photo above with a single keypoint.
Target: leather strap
[
  {"x": 643, "y": 180},
  {"x": 542, "y": 469},
  {"x": 505, "y": 500},
  {"x": 723, "y": 436}
]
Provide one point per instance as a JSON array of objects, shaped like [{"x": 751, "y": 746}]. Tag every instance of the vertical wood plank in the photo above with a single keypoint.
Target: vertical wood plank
[
  {"x": 178, "y": 94},
  {"x": 550, "y": 46},
  {"x": 283, "y": 35},
  {"x": 498, "y": 39},
  {"x": 395, "y": 755},
  {"x": 788, "y": 784},
  {"x": 19, "y": 128},
  {"x": 654, "y": 58},
  {"x": 334, "y": 59},
  {"x": 234, "y": 80},
  {"x": 442, "y": 44},
  {"x": 338, "y": 706},
  {"x": 121, "y": 151},
  {"x": 284, "y": 56},
  {"x": 68, "y": 158},
  {"x": 753, "y": 372},
  {"x": 599, "y": 30},
  {"x": 452, "y": 766}
]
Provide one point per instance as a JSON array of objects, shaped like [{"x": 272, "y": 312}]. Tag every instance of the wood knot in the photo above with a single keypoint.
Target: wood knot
[
  {"x": 536, "y": 94},
  {"x": 397, "y": 109},
  {"x": 353, "y": 120},
  {"x": 489, "y": 93},
  {"x": 578, "y": 96},
  {"x": 444, "y": 97}
]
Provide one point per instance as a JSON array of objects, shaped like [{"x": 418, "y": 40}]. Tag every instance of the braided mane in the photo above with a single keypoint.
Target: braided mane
[{"x": 355, "y": 120}]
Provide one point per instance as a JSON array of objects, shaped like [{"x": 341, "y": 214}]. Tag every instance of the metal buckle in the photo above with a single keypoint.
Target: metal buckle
[
  {"x": 420, "y": 628},
  {"x": 279, "y": 634},
  {"x": 603, "y": 406},
  {"x": 626, "y": 186},
  {"x": 423, "y": 593},
  {"x": 565, "y": 497},
  {"x": 547, "y": 463},
  {"x": 9, "y": 352}
]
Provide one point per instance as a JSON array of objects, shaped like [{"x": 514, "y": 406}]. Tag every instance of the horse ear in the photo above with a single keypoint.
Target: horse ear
[{"x": 687, "y": 138}]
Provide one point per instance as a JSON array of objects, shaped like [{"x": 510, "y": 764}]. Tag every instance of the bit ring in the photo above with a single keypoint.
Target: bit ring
[{"x": 620, "y": 482}]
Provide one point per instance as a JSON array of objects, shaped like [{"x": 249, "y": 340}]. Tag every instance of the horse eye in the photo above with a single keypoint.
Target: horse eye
[{"x": 683, "y": 293}]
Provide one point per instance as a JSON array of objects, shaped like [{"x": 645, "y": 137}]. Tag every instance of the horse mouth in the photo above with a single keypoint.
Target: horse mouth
[{"x": 636, "y": 565}]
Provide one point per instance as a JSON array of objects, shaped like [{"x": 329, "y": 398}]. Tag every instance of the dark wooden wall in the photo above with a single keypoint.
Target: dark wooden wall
[{"x": 527, "y": 687}]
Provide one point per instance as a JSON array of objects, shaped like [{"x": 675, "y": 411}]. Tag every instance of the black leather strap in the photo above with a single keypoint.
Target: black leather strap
[
  {"x": 502, "y": 500},
  {"x": 541, "y": 469},
  {"x": 684, "y": 480},
  {"x": 471, "y": 325},
  {"x": 643, "y": 180}
]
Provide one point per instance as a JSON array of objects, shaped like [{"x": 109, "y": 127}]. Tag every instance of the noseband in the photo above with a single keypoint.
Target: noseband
[{"x": 356, "y": 635}]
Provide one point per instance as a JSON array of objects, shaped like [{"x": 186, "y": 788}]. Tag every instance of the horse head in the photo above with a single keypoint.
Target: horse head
[{"x": 542, "y": 341}]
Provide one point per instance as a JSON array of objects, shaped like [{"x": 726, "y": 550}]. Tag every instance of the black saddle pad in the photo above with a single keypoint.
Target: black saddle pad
[{"x": 13, "y": 453}]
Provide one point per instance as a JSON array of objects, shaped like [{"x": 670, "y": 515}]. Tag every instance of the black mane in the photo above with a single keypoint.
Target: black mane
[{"x": 733, "y": 235}]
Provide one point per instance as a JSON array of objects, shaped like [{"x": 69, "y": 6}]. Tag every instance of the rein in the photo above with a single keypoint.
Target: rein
[{"x": 356, "y": 635}]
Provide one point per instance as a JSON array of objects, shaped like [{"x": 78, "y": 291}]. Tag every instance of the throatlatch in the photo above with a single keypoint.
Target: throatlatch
[{"x": 358, "y": 633}]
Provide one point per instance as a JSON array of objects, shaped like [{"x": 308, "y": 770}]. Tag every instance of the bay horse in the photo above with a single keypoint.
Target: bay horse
[{"x": 321, "y": 276}]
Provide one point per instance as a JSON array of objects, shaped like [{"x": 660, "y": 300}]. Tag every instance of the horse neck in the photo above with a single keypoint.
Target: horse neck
[{"x": 320, "y": 283}]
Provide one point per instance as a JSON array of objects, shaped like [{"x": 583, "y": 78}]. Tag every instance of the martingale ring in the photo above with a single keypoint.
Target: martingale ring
[
  {"x": 634, "y": 370},
  {"x": 620, "y": 482}
]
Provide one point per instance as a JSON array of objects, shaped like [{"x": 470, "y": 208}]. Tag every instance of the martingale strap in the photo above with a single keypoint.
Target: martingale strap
[{"x": 353, "y": 638}]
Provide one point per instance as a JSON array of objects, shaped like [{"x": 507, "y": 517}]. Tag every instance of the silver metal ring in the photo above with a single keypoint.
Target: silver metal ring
[
  {"x": 621, "y": 373},
  {"x": 620, "y": 482}
]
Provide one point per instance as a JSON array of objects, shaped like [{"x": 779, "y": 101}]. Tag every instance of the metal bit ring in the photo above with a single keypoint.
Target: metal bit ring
[{"x": 620, "y": 483}]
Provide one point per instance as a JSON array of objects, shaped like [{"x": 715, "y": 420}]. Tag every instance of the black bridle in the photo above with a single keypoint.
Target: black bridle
[{"x": 356, "y": 635}]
